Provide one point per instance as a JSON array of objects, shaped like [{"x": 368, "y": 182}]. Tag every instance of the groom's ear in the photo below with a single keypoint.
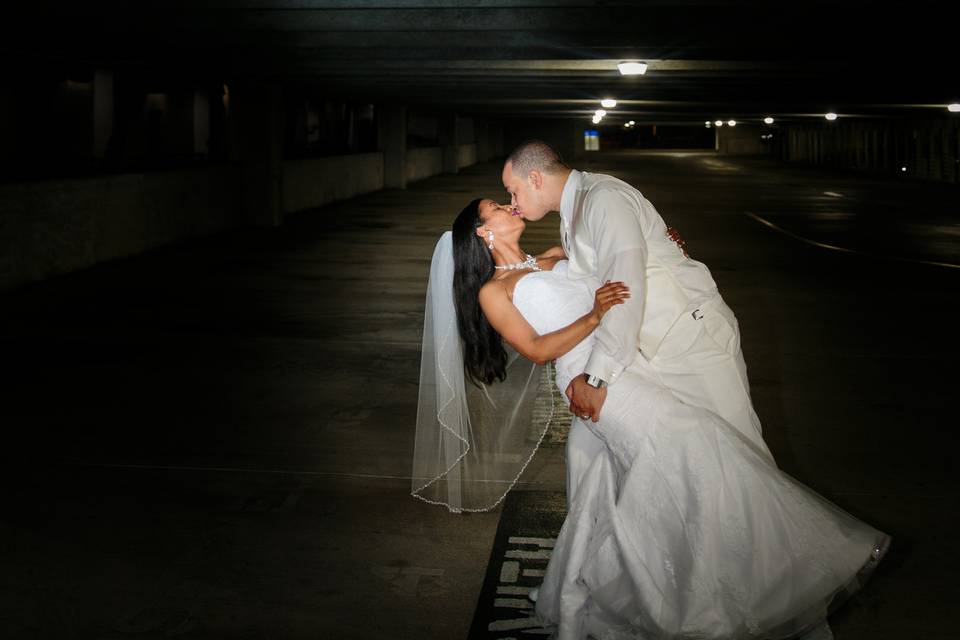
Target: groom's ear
[{"x": 536, "y": 179}]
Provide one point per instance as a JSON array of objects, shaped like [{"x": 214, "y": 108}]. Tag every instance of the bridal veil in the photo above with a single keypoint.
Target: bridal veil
[{"x": 472, "y": 443}]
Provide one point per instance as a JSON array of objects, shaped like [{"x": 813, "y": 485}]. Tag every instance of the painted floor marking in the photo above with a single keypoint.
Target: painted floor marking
[{"x": 830, "y": 247}]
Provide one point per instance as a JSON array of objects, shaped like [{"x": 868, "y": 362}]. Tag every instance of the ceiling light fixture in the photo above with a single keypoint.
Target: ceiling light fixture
[
  {"x": 597, "y": 119},
  {"x": 608, "y": 103},
  {"x": 954, "y": 108},
  {"x": 768, "y": 120},
  {"x": 830, "y": 116},
  {"x": 719, "y": 123},
  {"x": 599, "y": 113},
  {"x": 731, "y": 123},
  {"x": 632, "y": 68}
]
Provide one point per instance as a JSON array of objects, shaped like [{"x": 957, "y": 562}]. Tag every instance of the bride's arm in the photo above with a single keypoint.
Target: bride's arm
[{"x": 507, "y": 320}]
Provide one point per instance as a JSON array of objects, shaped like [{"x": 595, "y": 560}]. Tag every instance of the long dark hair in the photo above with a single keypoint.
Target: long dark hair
[{"x": 484, "y": 358}]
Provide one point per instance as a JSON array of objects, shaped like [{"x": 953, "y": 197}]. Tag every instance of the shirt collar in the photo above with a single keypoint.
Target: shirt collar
[{"x": 569, "y": 195}]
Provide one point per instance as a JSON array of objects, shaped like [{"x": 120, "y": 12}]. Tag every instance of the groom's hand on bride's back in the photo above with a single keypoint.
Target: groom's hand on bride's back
[
  {"x": 674, "y": 235},
  {"x": 585, "y": 401}
]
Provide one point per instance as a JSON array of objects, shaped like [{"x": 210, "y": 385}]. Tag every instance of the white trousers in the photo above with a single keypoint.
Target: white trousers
[{"x": 701, "y": 363}]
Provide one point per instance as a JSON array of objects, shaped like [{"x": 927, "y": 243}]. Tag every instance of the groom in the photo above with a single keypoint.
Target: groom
[{"x": 675, "y": 318}]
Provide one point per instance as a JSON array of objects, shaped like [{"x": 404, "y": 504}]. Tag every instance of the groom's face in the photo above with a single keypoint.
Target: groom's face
[{"x": 526, "y": 196}]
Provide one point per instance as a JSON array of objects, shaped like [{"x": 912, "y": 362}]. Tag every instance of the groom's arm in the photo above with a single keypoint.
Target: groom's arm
[{"x": 621, "y": 253}]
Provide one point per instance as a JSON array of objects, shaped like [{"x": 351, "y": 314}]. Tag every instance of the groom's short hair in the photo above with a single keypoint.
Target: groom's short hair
[{"x": 535, "y": 155}]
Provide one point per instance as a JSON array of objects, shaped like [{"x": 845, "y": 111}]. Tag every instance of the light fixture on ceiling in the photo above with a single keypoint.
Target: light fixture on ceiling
[
  {"x": 731, "y": 123},
  {"x": 599, "y": 113},
  {"x": 597, "y": 119},
  {"x": 954, "y": 107},
  {"x": 768, "y": 120},
  {"x": 830, "y": 116},
  {"x": 708, "y": 124},
  {"x": 719, "y": 123},
  {"x": 631, "y": 123},
  {"x": 608, "y": 103},
  {"x": 632, "y": 68}
]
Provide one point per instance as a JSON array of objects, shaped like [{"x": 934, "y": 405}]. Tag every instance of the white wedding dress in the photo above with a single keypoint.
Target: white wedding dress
[{"x": 684, "y": 528}]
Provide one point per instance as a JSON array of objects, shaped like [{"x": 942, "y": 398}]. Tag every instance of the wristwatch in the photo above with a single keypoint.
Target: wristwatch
[{"x": 596, "y": 382}]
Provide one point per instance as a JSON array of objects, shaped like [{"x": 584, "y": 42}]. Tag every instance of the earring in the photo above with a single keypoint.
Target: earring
[{"x": 490, "y": 241}]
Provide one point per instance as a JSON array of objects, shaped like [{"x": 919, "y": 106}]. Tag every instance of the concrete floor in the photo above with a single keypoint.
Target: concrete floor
[{"x": 214, "y": 440}]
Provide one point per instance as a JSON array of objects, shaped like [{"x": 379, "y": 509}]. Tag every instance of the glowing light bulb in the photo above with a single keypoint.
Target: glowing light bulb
[
  {"x": 599, "y": 113},
  {"x": 830, "y": 116},
  {"x": 768, "y": 120},
  {"x": 608, "y": 103},
  {"x": 719, "y": 123},
  {"x": 954, "y": 108},
  {"x": 731, "y": 123},
  {"x": 632, "y": 68}
]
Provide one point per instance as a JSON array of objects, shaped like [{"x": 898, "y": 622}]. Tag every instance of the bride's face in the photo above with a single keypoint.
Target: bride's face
[{"x": 501, "y": 219}]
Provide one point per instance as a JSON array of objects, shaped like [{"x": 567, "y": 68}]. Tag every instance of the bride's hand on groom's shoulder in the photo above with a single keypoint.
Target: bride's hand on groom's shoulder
[
  {"x": 585, "y": 401},
  {"x": 608, "y": 296}
]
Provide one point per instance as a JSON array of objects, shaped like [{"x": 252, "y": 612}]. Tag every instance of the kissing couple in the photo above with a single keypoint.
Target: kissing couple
[{"x": 679, "y": 523}]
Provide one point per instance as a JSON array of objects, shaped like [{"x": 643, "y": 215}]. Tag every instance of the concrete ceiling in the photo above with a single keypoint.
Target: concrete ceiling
[{"x": 537, "y": 58}]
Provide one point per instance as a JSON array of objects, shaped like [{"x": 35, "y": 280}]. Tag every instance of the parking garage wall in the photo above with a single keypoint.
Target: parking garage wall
[
  {"x": 52, "y": 227},
  {"x": 314, "y": 182},
  {"x": 424, "y": 162},
  {"x": 927, "y": 149}
]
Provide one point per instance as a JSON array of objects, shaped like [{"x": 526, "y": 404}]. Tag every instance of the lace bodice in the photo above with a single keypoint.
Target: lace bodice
[{"x": 549, "y": 301}]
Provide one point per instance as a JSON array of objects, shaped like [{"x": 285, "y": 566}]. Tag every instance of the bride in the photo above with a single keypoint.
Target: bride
[{"x": 683, "y": 528}]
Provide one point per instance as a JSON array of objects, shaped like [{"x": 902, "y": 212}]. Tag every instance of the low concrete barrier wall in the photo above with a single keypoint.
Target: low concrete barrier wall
[
  {"x": 466, "y": 155},
  {"x": 314, "y": 182},
  {"x": 52, "y": 227},
  {"x": 928, "y": 148},
  {"x": 423, "y": 163}
]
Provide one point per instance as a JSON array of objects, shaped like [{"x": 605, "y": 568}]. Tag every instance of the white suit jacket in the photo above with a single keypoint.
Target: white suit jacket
[{"x": 611, "y": 232}]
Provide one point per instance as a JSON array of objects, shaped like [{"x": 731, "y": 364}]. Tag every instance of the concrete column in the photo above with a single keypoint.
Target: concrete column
[
  {"x": 579, "y": 148},
  {"x": 449, "y": 141},
  {"x": 258, "y": 110},
  {"x": 201, "y": 123},
  {"x": 392, "y": 137},
  {"x": 480, "y": 132},
  {"x": 102, "y": 111},
  {"x": 495, "y": 133}
]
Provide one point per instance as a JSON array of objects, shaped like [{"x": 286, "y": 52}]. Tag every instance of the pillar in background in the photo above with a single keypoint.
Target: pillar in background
[
  {"x": 482, "y": 136},
  {"x": 579, "y": 148},
  {"x": 201, "y": 123},
  {"x": 392, "y": 137},
  {"x": 102, "y": 111},
  {"x": 449, "y": 141},
  {"x": 495, "y": 130},
  {"x": 258, "y": 109}
]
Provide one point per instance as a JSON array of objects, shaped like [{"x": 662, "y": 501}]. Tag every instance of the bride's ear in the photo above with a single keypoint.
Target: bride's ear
[{"x": 481, "y": 232}]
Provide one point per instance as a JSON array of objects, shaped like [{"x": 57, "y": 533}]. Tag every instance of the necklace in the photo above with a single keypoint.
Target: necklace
[{"x": 529, "y": 263}]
